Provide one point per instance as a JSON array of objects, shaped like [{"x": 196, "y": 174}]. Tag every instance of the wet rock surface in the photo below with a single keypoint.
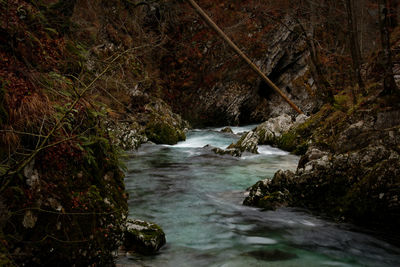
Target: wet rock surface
[
  {"x": 155, "y": 123},
  {"x": 350, "y": 171},
  {"x": 234, "y": 102},
  {"x": 143, "y": 237},
  {"x": 232, "y": 152},
  {"x": 268, "y": 133},
  {"x": 271, "y": 255}
]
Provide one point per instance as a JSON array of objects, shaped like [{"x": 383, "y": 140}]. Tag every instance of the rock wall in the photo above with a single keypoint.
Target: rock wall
[
  {"x": 232, "y": 101},
  {"x": 350, "y": 171}
]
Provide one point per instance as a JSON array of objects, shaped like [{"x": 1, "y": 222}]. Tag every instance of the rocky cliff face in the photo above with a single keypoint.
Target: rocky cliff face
[
  {"x": 350, "y": 170},
  {"x": 209, "y": 85},
  {"x": 286, "y": 64},
  {"x": 243, "y": 102}
]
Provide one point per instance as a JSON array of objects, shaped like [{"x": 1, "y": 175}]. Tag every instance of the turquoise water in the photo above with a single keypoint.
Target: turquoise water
[{"x": 196, "y": 195}]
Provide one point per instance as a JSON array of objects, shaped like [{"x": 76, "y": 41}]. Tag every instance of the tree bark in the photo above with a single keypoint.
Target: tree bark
[
  {"x": 355, "y": 51},
  {"x": 389, "y": 84}
]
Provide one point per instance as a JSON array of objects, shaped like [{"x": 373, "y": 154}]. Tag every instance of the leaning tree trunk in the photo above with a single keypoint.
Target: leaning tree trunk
[{"x": 389, "y": 84}]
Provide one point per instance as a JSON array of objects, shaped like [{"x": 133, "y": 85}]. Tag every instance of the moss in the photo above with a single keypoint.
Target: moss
[
  {"x": 160, "y": 132},
  {"x": 342, "y": 102},
  {"x": 287, "y": 141},
  {"x": 301, "y": 149}
]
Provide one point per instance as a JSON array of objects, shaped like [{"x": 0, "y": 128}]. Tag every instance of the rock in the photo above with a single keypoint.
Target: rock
[
  {"x": 29, "y": 219},
  {"x": 227, "y": 130},
  {"x": 300, "y": 119},
  {"x": 233, "y": 152},
  {"x": 271, "y": 194},
  {"x": 162, "y": 125},
  {"x": 247, "y": 142},
  {"x": 266, "y": 133},
  {"x": 143, "y": 237},
  {"x": 271, "y": 255},
  {"x": 238, "y": 101},
  {"x": 126, "y": 135},
  {"x": 161, "y": 132},
  {"x": 350, "y": 171},
  {"x": 273, "y": 128}
]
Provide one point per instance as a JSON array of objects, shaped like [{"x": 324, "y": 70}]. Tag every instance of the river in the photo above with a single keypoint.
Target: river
[{"x": 196, "y": 195}]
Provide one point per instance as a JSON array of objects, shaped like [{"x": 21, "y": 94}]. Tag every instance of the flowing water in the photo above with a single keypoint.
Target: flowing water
[{"x": 196, "y": 195}]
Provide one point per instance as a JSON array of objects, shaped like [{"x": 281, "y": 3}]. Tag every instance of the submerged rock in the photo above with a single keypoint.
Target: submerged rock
[
  {"x": 220, "y": 151},
  {"x": 271, "y": 255},
  {"x": 143, "y": 237}
]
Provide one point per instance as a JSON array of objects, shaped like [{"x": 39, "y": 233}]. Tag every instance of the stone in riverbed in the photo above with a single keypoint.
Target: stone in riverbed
[
  {"x": 143, "y": 237},
  {"x": 227, "y": 130},
  {"x": 271, "y": 194},
  {"x": 247, "y": 142},
  {"x": 267, "y": 133},
  {"x": 233, "y": 152},
  {"x": 271, "y": 255}
]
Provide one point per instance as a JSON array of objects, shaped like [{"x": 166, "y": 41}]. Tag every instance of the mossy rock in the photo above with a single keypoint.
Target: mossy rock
[
  {"x": 143, "y": 237},
  {"x": 163, "y": 133}
]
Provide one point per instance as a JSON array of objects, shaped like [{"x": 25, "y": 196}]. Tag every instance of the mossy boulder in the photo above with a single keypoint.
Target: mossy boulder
[
  {"x": 143, "y": 237},
  {"x": 163, "y": 126},
  {"x": 271, "y": 194},
  {"x": 161, "y": 132},
  {"x": 275, "y": 131}
]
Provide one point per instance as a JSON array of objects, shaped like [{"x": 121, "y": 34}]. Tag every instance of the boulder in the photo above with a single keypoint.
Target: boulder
[
  {"x": 248, "y": 142},
  {"x": 162, "y": 125},
  {"x": 271, "y": 194},
  {"x": 233, "y": 152},
  {"x": 143, "y": 237},
  {"x": 126, "y": 135},
  {"x": 266, "y": 133},
  {"x": 273, "y": 128},
  {"x": 271, "y": 255},
  {"x": 227, "y": 130},
  {"x": 350, "y": 170}
]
